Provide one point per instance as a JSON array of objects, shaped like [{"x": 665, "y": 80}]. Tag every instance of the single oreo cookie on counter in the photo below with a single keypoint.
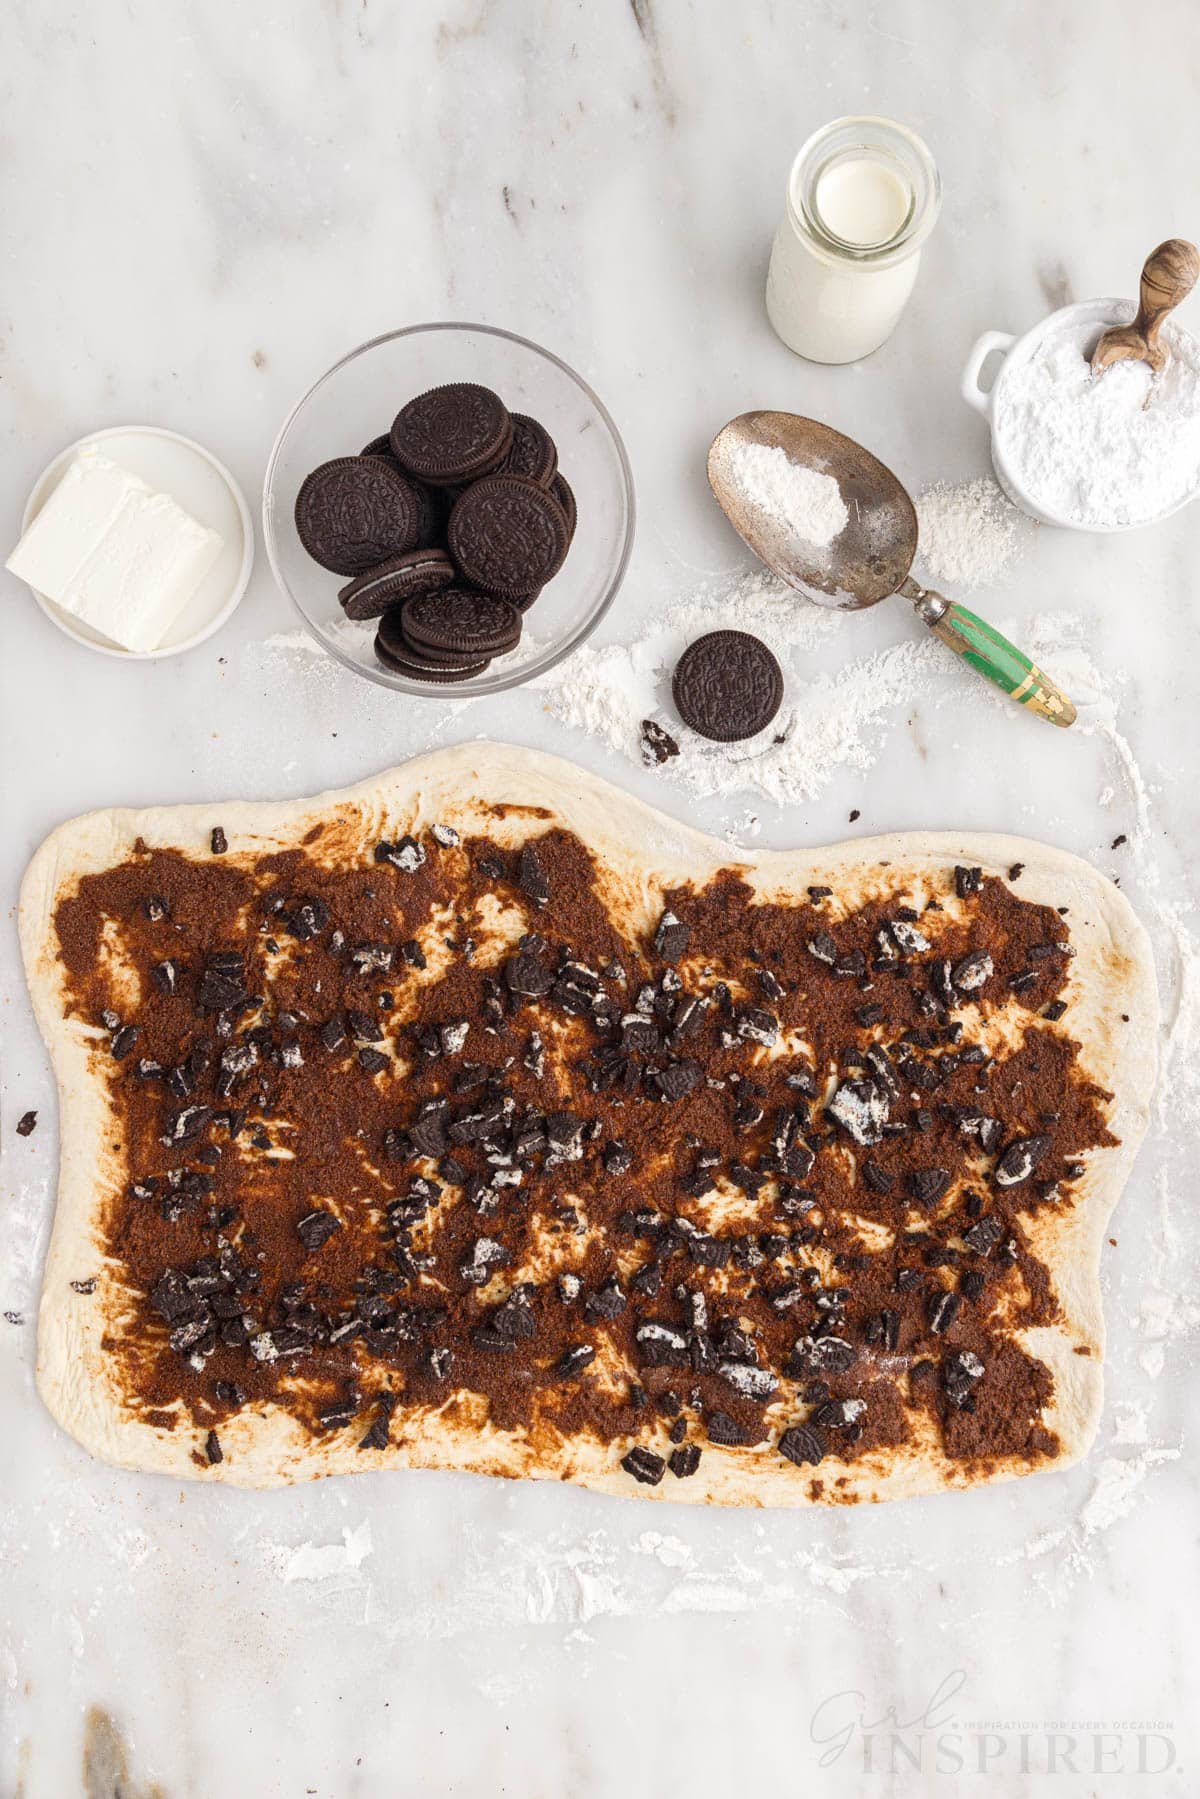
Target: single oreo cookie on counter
[
  {"x": 727, "y": 686},
  {"x": 561, "y": 490},
  {"x": 356, "y": 512},
  {"x": 508, "y": 535},
  {"x": 399, "y": 579},
  {"x": 533, "y": 453},
  {"x": 453, "y": 433},
  {"x": 461, "y": 621}
]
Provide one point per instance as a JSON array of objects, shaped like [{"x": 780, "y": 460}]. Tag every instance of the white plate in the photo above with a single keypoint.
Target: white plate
[{"x": 204, "y": 487}]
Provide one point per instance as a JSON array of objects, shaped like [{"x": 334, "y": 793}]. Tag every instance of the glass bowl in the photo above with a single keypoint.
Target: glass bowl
[{"x": 357, "y": 400}]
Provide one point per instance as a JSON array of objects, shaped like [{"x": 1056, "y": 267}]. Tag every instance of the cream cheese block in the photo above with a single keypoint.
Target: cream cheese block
[{"x": 115, "y": 554}]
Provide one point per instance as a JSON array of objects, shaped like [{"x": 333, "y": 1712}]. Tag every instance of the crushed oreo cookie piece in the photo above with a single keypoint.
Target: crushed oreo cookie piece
[
  {"x": 671, "y": 938},
  {"x": 927, "y": 1185},
  {"x": 724, "y": 1430},
  {"x": 27, "y": 1124},
  {"x": 1018, "y": 1161},
  {"x": 983, "y": 1235},
  {"x": 802, "y": 1444},
  {"x": 861, "y": 1109},
  {"x": 316, "y": 1228},
  {"x": 941, "y": 1311},
  {"x": 684, "y": 1461},
  {"x": 960, "y": 1375},
  {"x": 972, "y": 971},
  {"x": 658, "y": 745},
  {"x": 531, "y": 876},
  {"x": 644, "y": 1465}
]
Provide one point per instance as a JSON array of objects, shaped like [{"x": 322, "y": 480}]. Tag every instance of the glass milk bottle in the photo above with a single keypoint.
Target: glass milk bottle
[{"x": 862, "y": 197}]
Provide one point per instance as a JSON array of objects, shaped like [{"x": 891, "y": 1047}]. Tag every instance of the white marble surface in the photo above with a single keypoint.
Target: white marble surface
[{"x": 204, "y": 206}]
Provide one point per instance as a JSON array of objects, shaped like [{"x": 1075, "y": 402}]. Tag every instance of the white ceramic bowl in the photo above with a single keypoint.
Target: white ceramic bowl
[
  {"x": 1018, "y": 350},
  {"x": 204, "y": 487}
]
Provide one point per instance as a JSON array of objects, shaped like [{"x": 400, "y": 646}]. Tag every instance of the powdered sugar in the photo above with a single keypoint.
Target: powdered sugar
[
  {"x": 829, "y": 722},
  {"x": 970, "y": 534},
  {"x": 1118, "y": 448},
  {"x": 807, "y": 503}
]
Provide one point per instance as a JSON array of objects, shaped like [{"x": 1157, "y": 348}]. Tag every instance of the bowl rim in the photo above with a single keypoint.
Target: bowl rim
[
  {"x": 484, "y": 686},
  {"x": 38, "y": 495}
]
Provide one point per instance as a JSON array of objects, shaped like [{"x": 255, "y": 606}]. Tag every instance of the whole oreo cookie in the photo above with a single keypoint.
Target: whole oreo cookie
[
  {"x": 533, "y": 453},
  {"x": 453, "y": 433},
  {"x": 399, "y": 579},
  {"x": 461, "y": 621},
  {"x": 562, "y": 493},
  {"x": 437, "y": 673},
  {"x": 727, "y": 686},
  {"x": 356, "y": 512},
  {"x": 508, "y": 535},
  {"x": 400, "y": 647}
]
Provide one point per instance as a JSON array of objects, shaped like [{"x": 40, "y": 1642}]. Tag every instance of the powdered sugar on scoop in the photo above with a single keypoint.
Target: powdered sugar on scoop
[{"x": 787, "y": 495}]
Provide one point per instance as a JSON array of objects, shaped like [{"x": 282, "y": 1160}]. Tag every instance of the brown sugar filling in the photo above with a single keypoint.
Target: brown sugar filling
[{"x": 377, "y": 1153}]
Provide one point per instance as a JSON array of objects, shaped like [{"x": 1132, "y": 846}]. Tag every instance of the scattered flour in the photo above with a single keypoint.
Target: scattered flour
[
  {"x": 969, "y": 534},
  {"x": 318, "y": 1561},
  {"x": 1118, "y": 448},
  {"x": 1112, "y": 1497},
  {"x": 786, "y": 493},
  {"x": 830, "y": 722}
]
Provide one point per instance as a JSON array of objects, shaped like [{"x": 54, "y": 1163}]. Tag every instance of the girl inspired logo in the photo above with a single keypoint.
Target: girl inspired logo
[{"x": 932, "y": 1740}]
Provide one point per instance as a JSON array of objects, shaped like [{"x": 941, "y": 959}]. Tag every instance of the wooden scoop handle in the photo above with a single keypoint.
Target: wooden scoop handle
[
  {"x": 990, "y": 653},
  {"x": 1168, "y": 276}
]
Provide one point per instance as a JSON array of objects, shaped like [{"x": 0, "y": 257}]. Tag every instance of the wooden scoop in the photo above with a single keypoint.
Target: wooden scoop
[{"x": 1168, "y": 276}]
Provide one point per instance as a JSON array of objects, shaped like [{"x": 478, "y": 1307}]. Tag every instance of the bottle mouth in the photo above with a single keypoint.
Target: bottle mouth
[{"x": 908, "y": 199}]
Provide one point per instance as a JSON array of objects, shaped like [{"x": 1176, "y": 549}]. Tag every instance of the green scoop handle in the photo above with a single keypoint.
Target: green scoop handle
[{"x": 992, "y": 655}]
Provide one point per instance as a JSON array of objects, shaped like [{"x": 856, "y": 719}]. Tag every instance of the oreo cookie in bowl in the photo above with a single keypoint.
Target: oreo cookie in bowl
[{"x": 450, "y": 509}]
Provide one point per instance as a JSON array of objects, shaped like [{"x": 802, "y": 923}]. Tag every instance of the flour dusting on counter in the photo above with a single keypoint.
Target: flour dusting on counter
[
  {"x": 320, "y": 1561},
  {"x": 829, "y": 722},
  {"x": 1117, "y": 1481},
  {"x": 968, "y": 533}
]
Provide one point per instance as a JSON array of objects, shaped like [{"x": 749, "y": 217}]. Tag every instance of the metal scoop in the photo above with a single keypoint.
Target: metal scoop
[{"x": 871, "y": 556}]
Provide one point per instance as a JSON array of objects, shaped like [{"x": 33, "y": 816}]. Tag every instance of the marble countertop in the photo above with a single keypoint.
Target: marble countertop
[{"x": 203, "y": 207}]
